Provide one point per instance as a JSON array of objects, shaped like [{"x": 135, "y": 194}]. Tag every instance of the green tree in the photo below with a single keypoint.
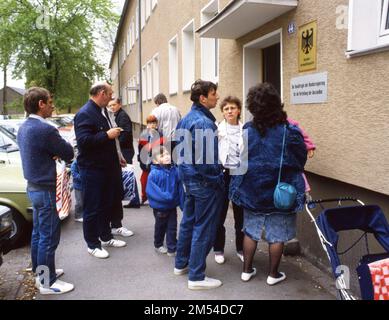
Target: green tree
[{"x": 56, "y": 41}]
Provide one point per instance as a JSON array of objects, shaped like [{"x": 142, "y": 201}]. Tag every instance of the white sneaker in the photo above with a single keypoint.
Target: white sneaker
[
  {"x": 171, "y": 254},
  {"x": 58, "y": 287},
  {"x": 180, "y": 272},
  {"x": 114, "y": 243},
  {"x": 207, "y": 283},
  {"x": 161, "y": 250},
  {"x": 79, "y": 220},
  {"x": 58, "y": 273},
  {"x": 240, "y": 256},
  {"x": 272, "y": 281},
  {"x": 124, "y": 232},
  {"x": 99, "y": 253},
  {"x": 247, "y": 276},
  {"x": 219, "y": 258}
]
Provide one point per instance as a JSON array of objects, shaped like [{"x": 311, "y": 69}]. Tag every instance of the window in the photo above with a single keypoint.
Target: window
[
  {"x": 149, "y": 80},
  {"x": 155, "y": 75},
  {"x": 143, "y": 13},
  {"x": 129, "y": 40},
  {"x": 209, "y": 47},
  {"x": 188, "y": 56},
  {"x": 385, "y": 18},
  {"x": 154, "y": 4},
  {"x": 124, "y": 96},
  {"x": 132, "y": 33},
  {"x": 368, "y": 26},
  {"x": 173, "y": 66},
  {"x": 148, "y": 9},
  {"x": 144, "y": 84},
  {"x": 137, "y": 23}
]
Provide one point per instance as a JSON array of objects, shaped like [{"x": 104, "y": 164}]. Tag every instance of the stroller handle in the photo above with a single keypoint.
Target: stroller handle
[{"x": 335, "y": 200}]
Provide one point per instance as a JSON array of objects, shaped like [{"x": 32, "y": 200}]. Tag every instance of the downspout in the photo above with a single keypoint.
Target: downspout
[
  {"x": 140, "y": 63},
  {"x": 119, "y": 73}
]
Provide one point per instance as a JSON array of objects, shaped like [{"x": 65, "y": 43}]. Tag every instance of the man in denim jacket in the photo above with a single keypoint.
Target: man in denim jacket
[{"x": 202, "y": 176}]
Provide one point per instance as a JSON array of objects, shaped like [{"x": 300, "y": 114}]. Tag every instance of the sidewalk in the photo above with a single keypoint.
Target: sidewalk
[{"x": 137, "y": 272}]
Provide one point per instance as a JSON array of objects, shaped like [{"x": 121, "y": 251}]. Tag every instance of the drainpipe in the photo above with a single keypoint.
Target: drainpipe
[
  {"x": 119, "y": 73},
  {"x": 140, "y": 63}
]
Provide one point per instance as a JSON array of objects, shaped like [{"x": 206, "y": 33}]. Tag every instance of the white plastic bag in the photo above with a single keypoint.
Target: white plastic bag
[{"x": 63, "y": 194}]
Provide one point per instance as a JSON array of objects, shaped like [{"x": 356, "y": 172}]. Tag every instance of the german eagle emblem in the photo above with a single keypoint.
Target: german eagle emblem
[{"x": 307, "y": 41}]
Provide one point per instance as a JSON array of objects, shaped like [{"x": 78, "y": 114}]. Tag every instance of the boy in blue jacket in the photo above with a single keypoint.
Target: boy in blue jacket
[
  {"x": 165, "y": 192},
  {"x": 77, "y": 186}
]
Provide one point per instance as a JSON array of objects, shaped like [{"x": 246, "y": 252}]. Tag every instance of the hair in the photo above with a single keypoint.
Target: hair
[
  {"x": 32, "y": 98},
  {"x": 97, "y": 88},
  {"x": 264, "y": 103},
  {"x": 118, "y": 100},
  {"x": 160, "y": 99},
  {"x": 151, "y": 119},
  {"x": 201, "y": 88},
  {"x": 158, "y": 151},
  {"x": 231, "y": 100}
]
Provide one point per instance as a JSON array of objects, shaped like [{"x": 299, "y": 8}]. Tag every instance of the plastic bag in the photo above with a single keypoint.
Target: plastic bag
[
  {"x": 130, "y": 186},
  {"x": 63, "y": 194}
]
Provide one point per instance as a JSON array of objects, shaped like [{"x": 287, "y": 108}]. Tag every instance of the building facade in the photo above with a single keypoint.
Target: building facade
[{"x": 329, "y": 60}]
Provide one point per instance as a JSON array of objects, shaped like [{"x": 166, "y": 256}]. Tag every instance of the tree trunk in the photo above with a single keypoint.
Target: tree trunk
[{"x": 4, "y": 111}]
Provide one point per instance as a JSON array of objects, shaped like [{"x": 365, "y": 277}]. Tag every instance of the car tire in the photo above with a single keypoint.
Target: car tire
[{"x": 20, "y": 230}]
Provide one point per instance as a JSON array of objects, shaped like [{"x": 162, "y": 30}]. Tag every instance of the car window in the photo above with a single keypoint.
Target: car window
[{"x": 7, "y": 142}]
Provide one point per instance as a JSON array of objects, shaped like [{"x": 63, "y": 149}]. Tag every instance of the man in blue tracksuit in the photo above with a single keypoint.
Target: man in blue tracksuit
[{"x": 202, "y": 176}]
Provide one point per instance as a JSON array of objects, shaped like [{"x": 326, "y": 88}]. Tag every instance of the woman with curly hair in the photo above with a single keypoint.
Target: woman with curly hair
[{"x": 254, "y": 190}]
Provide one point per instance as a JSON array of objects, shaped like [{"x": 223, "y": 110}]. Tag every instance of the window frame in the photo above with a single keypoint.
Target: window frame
[
  {"x": 173, "y": 66},
  {"x": 385, "y": 19},
  {"x": 188, "y": 60}
]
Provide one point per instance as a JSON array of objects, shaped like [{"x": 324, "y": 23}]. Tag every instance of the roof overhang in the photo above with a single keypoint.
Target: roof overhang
[{"x": 240, "y": 17}]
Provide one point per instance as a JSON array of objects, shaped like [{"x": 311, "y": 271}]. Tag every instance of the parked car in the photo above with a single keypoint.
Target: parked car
[
  {"x": 13, "y": 189},
  {"x": 5, "y": 231}
]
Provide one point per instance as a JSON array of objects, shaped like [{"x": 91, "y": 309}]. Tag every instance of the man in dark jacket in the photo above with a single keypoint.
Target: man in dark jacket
[
  {"x": 40, "y": 145},
  {"x": 123, "y": 121},
  {"x": 100, "y": 169}
]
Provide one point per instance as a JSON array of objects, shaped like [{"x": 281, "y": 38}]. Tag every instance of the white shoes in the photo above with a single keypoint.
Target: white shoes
[
  {"x": 58, "y": 273},
  {"x": 171, "y": 254},
  {"x": 219, "y": 258},
  {"x": 58, "y": 287},
  {"x": 113, "y": 243},
  {"x": 161, "y": 250},
  {"x": 180, "y": 272},
  {"x": 79, "y": 220},
  {"x": 272, "y": 281},
  {"x": 98, "y": 253},
  {"x": 247, "y": 276},
  {"x": 240, "y": 256},
  {"x": 206, "y": 284},
  {"x": 124, "y": 232}
]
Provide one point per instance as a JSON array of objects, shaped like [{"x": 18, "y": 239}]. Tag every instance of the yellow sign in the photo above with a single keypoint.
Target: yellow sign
[{"x": 307, "y": 47}]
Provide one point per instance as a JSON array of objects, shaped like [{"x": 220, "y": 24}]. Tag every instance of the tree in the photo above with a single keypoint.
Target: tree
[{"x": 56, "y": 43}]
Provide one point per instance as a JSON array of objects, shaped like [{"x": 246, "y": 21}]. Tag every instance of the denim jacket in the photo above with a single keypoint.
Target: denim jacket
[
  {"x": 254, "y": 190},
  {"x": 201, "y": 166}
]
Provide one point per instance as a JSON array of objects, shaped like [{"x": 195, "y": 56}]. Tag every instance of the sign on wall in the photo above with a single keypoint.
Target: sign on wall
[
  {"x": 309, "y": 89},
  {"x": 307, "y": 47}
]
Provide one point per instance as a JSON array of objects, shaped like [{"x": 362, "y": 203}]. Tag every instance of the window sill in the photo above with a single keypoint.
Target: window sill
[{"x": 375, "y": 49}]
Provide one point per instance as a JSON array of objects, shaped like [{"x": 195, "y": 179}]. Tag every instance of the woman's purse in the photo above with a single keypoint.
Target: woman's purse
[{"x": 284, "y": 193}]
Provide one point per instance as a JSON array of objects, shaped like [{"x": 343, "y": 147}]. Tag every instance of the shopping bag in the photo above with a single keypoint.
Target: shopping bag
[
  {"x": 63, "y": 193},
  {"x": 130, "y": 186}
]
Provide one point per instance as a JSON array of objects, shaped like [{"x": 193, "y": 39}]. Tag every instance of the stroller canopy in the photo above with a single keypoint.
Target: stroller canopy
[{"x": 369, "y": 219}]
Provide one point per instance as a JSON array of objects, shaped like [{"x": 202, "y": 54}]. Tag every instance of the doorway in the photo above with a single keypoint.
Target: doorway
[{"x": 262, "y": 60}]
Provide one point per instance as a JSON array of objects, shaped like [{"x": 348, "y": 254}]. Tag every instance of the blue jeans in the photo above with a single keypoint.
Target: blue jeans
[
  {"x": 46, "y": 231},
  {"x": 165, "y": 223},
  {"x": 203, "y": 204},
  {"x": 98, "y": 191}
]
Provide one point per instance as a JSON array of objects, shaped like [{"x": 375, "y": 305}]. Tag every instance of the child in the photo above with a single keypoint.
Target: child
[
  {"x": 311, "y": 152},
  {"x": 165, "y": 193},
  {"x": 77, "y": 186},
  {"x": 149, "y": 139}
]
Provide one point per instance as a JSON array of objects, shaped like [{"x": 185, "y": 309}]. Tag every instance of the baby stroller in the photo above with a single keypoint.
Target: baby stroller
[{"x": 368, "y": 219}]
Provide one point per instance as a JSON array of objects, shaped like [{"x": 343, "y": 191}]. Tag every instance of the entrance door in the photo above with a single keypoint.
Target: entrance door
[
  {"x": 262, "y": 63},
  {"x": 272, "y": 65}
]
